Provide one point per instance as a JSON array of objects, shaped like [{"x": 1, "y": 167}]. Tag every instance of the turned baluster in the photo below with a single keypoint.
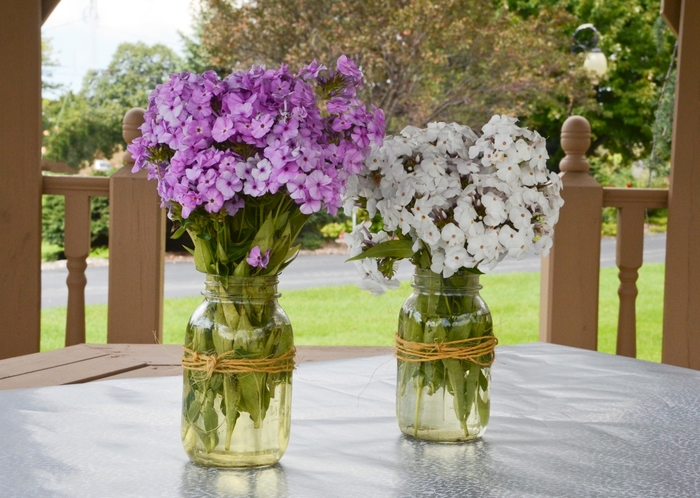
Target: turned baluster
[
  {"x": 77, "y": 249},
  {"x": 629, "y": 257}
]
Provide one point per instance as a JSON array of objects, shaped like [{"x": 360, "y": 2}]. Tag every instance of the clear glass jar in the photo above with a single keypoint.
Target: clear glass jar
[
  {"x": 445, "y": 399},
  {"x": 235, "y": 418}
]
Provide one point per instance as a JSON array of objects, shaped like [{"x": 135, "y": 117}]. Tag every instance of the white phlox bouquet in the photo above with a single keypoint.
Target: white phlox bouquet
[{"x": 452, "y": 201}]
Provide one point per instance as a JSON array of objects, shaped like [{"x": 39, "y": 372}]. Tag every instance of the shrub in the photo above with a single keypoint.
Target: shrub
[
  {"x": 333, "y": 230},
  {"x": 53, "y": 216}
]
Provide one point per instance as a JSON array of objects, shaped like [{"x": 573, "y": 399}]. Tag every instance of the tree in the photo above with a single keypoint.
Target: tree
[
  {"x": 639, "y": 49},
  {"x": 423, "y": 60},
  {"x": 80, "y": 127},
  {"x": 47, "y": 62},
  {"x": 88, "y": 124}
]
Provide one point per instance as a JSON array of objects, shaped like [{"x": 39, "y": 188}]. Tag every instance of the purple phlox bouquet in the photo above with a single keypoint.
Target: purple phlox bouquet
[
  {"x": 242, "y": 162},
  {"x": 451, "y": 201}
]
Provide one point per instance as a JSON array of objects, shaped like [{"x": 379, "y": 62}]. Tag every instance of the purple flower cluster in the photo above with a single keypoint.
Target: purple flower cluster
[{"x": 212, "y": 142}]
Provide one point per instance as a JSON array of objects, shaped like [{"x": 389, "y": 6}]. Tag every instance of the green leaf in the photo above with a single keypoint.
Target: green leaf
[
  {"x": 232, "y": 396},
  {"x": 178, "y": 233},
  {"x": 291, "y": 256},
  {"x": 397, "y": 248},
  {"x": 474, "y": 271},
  {"x": 221, "y": 253},
  {"x": 279, "y": 252},
  {"x": 281, "y": 221},
  {"x": 455, "y": 376},
  {"x": 472, "y": 386},
  {"x": 252, "y": 391},
  {"x": 424, "y": 259},
  {"x": 483, "y": 382},
  {"x": 211, "y": 422},
  {"x": 293, "y": 252},
  {"x": 203, "y": 258},
  {"x": 242, "y": 270},
  {"x": 263, "y": 239},
  {"x": 193, "y": 411}
]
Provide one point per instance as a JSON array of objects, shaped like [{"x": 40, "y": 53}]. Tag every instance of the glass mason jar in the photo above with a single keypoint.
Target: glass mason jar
[
  {"x": 237, "y": 393},
  {"x": 445, "y": 349}
]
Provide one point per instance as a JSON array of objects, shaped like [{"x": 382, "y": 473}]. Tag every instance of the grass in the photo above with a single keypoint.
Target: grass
[
  {"x": 52, "y": 252},
  {"x": 345, "y": 315}
]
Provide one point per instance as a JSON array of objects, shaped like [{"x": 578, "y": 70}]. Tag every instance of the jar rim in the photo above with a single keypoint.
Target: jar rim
[
  {"x": 228, "y": 287},
  {"x": 234, "y": 279},
  {"x": 460, "y": 281}
]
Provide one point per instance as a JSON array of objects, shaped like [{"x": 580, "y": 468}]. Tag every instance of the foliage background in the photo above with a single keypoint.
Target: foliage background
[{"x": 423, "y": 60}]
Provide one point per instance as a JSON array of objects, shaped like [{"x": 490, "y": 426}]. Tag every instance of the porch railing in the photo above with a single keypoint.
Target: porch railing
[
  {"x": 569, "y": 278},
  {"x": 136, "y": 249},
  {"x": 570, "y": 274},
  {"x": 77, "y": 192}
]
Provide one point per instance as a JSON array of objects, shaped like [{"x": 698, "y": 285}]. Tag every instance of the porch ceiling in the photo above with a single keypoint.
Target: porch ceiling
[
  {"x": 671, "y": 12},
  {"x": 47, "y": 7}
]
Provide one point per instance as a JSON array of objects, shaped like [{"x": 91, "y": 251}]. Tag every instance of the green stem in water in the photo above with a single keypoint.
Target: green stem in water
[
  {"x": 419, "y": 394},
  {"x": 456, "y": 377}
]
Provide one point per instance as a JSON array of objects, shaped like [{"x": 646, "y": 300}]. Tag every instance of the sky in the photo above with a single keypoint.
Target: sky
[{"x": 84, "y": 34}]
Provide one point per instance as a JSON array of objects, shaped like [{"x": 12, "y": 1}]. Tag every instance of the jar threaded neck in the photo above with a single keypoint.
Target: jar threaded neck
[
  {"x": 234, "y": 288},
  {"x": 461, "y": 283}
]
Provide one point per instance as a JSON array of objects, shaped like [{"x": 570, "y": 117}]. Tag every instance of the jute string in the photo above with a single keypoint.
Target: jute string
[
  {"x": 230, "y": 363},
  {"x": 472, "y": 349}
]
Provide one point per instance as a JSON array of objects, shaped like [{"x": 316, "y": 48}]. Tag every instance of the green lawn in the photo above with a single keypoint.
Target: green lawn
[
  {"x": 345, "y": 315},
  {"x": 51, "y": 252}
]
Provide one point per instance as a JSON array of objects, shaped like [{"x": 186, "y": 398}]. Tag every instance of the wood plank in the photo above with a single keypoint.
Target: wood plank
[
  {"x": 149, "y": 354},
  {"x": 148, "y": 371},
  {"x": 647, "y": 197},
  {"x": 88, "y": 362},
  {"x": 92, "y": 186},
  {"x": 36, "y": 362},
  {"x": 74, "y": 373}
]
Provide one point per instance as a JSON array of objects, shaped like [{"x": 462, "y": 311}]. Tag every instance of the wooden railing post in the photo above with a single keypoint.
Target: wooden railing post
[
  {"x": 681, "y": 339},
  {"x": 20, "y": 189},
  {"x": 136, "y": 251},
  {"x": 570, "y": 274}
]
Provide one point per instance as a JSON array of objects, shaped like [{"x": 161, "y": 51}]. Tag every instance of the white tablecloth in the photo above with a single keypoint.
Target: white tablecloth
[{"x": 565, "y": 422}]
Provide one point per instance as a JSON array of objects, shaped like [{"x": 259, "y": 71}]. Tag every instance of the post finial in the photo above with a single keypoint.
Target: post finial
[
  {"x": 575, "y": 140},
  {"x": 130, "y": 128}
]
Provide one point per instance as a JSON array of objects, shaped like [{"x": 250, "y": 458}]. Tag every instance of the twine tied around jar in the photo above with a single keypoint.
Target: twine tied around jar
[
  {"x": 230, "y": 363},
  {"x": 472, "y": 350}
]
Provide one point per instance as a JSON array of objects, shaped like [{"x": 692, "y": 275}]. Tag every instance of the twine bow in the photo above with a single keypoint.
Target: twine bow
[
  {"x": 230, "y": 363},
  {"x": 478, "y": 350}
]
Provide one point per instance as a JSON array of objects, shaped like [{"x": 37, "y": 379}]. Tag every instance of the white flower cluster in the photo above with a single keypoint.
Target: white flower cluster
[{"x": 467, "y": 201}]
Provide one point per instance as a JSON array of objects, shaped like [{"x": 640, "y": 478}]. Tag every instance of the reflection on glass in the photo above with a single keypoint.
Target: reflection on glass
[
  {"x": 427, "y": 468},
  {"x": 263, "y": 481}
]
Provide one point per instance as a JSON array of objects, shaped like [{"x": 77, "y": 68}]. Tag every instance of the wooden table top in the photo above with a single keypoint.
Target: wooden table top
[{"x": 89, "y": 362}]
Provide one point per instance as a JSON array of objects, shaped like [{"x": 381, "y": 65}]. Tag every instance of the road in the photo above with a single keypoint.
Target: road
[{"x": 182, "y": 280}]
